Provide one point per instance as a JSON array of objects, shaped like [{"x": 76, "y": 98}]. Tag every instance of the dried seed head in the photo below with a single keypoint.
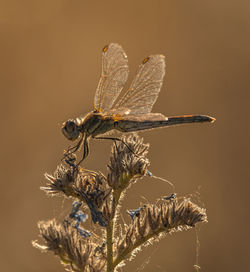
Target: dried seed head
[
  {"x": 93, "y": 185},
  {"x": 60, "y": 182},
  {"x": 152, "y": 221},
  {"x": 91, "y": 188},
  {"x": 74, "y": 251},
  {"x": 127, "y": 161}
]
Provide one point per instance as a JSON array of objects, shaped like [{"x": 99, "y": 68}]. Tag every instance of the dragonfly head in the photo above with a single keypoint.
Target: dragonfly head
[{"x": 70, "y": 130}]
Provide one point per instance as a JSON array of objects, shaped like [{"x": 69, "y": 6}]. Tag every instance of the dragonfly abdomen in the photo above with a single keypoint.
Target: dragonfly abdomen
[
  {"x": 185, "y": 119},
  {"x": 136, "y": 125},
  {"x": 130, "y": 126}
]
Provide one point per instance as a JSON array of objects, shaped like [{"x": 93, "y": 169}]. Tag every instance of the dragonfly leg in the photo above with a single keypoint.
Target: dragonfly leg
[
  {"x": 85, "y": 150},
  {"x": 73, "y": 149},
  {"x": 116, "y": 139}
]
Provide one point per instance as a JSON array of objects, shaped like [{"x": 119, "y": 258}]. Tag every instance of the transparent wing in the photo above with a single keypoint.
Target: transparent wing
[
  {"x": 136, "y": 122},
  {"x": 113, "y": 77},
  {"x": 148, "y": 117},
  {"x": 145, "y": 87}
]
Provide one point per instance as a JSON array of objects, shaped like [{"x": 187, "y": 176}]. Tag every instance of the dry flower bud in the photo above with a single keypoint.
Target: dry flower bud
[
  {"x": 60, "y": 182},
  {"x": 75, "y": 252},
  {"x": 151, "y": 221},
  {"x": 91, "y": 188},
  {"x": 127, "y": 162}
]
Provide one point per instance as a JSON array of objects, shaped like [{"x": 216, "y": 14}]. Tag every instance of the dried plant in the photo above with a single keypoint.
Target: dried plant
[{"x": 88, "y": 250}]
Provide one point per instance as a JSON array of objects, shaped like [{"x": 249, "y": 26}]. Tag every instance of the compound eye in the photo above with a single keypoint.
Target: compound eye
[{"x": 70, "y": 126}]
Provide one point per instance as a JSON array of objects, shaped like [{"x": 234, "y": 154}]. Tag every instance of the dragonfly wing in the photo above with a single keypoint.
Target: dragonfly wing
[
  {"x": 114, "y": 76},
  {"x": 151, "y": 117},
  {"x": 136, "y": 122},
  {"x": 123, "y": 112},
  {"x": 145, "y": 87}
]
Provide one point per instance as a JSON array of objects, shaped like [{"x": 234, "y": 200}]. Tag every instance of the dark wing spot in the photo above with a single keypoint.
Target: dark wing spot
[
  {"x": 145, "y": 60},
  {"x": 105, "y": 48}
]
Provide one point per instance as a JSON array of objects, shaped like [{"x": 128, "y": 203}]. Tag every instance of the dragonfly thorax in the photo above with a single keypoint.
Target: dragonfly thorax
[{"x": 70, "y": 130}]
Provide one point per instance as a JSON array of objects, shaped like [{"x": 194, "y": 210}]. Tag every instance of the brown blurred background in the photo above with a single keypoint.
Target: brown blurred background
[{"x": 50, "y": 61}]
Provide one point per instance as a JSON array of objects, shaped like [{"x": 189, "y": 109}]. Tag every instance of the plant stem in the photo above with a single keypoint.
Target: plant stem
[
  {"x": 109, "y": 233},
  {"x": 110, "y": 230}
]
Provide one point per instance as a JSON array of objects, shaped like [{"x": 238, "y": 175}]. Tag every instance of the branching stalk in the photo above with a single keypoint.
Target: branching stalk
[{"x": 84, "y": 250}]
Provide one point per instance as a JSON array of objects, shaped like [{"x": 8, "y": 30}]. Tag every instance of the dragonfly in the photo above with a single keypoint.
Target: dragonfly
[{"x": 131, "y": 112}]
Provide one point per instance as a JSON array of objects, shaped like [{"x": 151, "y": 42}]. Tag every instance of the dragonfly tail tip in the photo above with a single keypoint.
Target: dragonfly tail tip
[{"x": 212, "y": 120}]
